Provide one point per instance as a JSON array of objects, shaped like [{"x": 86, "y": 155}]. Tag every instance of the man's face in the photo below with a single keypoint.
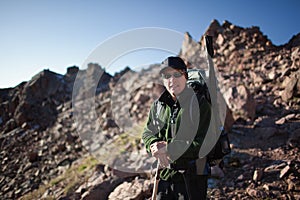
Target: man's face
[{"x": 174, "y": 81}]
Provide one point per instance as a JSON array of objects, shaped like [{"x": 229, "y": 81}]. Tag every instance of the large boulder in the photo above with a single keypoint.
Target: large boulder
[{"x": 240, "y": 102}]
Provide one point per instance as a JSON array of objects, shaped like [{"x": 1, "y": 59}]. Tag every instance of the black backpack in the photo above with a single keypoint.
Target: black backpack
[{"x": 197, "y": 82}]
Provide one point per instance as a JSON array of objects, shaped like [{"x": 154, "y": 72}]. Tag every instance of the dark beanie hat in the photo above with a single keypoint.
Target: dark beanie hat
[{"x": 173, "y": 62}]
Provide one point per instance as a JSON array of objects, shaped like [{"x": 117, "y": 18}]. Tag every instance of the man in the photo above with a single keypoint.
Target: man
[{"x": 177, "y": 124}]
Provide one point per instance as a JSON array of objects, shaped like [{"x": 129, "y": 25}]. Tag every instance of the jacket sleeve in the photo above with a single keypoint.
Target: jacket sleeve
[{"x": 151, "y": 131}]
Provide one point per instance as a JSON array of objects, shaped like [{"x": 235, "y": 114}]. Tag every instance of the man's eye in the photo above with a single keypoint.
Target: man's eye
[
  {"x": 177, "y": 74},
  {"x": 167, "y": 76}
]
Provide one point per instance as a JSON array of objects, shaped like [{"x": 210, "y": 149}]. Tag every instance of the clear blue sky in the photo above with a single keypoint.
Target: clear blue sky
[{"x": 56, "y": 34}]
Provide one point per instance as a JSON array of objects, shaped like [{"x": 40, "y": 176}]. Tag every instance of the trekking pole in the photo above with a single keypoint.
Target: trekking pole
[{"x": 156, "y": 180}]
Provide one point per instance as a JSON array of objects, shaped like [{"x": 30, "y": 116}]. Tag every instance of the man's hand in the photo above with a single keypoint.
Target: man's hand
[{"x": 159, "y": 151}]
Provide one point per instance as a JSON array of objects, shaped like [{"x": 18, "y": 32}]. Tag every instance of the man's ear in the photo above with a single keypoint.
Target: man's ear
[{"x": 186, "y": 75}]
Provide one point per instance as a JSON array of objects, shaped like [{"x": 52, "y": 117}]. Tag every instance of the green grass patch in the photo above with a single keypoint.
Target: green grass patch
[{"x": 73, "y": 177}]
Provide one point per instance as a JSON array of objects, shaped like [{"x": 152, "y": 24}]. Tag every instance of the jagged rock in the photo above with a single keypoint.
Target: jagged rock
[
  {"x": 36, "y": 106},
  {"x": 216, "y": 171},
  {"x": 109, "y": 123},
  {"x": 139, "y": 189},
  {"x": 102, "y": 190},
  {"x": 240, "y": 102},
  {"x": 214, "y": 28},
  {"x": 72, "y": 70},
  {"x": 256, "y": 193},
  {"x": 265, "y": 133},
  {"x": 32, "y": 156},
  {"x": 294, "y": 41},
  {"x": 292, "y": 86},
  {"x": 258, "y": 175},
  {"x": 284, "y": 171},
  {"x": 192, "y": 53}
]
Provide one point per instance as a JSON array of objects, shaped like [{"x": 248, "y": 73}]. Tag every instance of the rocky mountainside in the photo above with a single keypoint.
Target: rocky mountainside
[{"x": 51, "y": 124}]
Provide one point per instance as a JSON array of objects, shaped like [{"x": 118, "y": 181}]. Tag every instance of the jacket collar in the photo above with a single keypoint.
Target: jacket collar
[{"x": 185, "y": 95}]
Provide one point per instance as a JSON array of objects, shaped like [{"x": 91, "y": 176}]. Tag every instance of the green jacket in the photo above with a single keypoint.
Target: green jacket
[{"x": 190, "y": 128}]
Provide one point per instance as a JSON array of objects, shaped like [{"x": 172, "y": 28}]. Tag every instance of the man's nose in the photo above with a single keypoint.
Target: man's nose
[{"x": 172, "y": 78}]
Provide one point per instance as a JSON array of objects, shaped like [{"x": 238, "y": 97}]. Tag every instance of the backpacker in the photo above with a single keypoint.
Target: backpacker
[{"x": 197, "y": 81}]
